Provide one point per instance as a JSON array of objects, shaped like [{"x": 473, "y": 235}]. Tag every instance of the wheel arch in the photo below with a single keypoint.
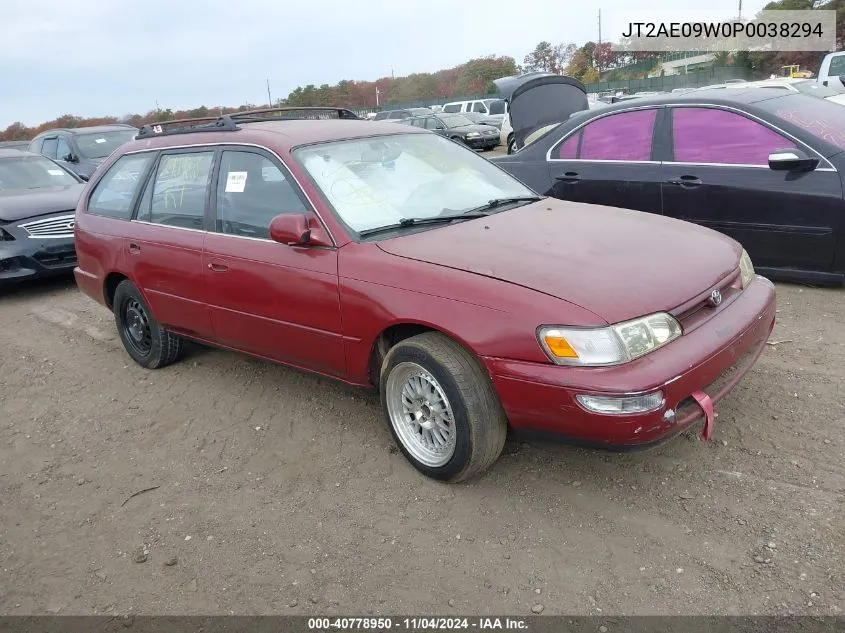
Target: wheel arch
[
  {"x": 397, "y": 332},
  {"x": 110, "y": 284}
]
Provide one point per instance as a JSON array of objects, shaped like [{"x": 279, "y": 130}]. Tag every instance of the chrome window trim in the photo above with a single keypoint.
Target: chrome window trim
[
  {"x": 711, "y": 106},
  {"x": 236, "y": 144}
]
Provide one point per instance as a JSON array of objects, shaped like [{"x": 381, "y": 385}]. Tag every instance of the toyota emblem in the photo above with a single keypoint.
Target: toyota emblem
[{"x": 715, "y": 298}]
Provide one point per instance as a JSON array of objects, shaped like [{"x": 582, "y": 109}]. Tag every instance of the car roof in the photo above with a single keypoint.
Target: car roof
[
  {"x": 8, "y": 152},
  {"x": 115, "y": 127},
  {"x": 287, "y": 134},
  {"x": 712, "y": 96}
]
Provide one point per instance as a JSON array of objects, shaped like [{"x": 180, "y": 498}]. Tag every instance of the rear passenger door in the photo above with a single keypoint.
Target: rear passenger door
[
  {"x": 164, "y": 247},
  {"x": 609, "y": 161},
  {"x": 267, "y": 298}
]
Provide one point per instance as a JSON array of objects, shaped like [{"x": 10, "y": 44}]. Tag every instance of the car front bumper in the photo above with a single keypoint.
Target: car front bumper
[
  {"x": 484, "y": 142},
  {"x": 711, "y": 360},
  {"x": 29, "y": 258}
]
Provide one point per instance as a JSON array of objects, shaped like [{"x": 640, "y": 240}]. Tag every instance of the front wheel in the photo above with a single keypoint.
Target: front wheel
[
  {"x": 511, "y": 144},
  {"x": 441, "y": 408},
  {"x": 145, "y": 340}
]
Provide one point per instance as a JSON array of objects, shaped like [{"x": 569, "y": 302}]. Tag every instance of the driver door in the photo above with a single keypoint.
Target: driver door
[{"x": 266, "y": 298}]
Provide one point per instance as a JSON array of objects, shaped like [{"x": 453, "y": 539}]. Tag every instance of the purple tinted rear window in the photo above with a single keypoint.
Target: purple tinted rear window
[
  {"x": 707, "y": 135},
  {"x": 623, "y": 136},
  {"x": 569, "y": 148}
]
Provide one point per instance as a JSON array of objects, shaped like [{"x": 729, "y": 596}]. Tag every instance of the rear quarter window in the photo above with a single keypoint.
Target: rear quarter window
[{"x": 113, "y": 195}]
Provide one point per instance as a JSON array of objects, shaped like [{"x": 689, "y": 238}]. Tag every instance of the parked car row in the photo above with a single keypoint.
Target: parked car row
[{"x": 392, "y": 258}]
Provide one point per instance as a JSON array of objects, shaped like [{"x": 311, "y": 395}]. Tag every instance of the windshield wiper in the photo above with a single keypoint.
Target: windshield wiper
[
  {"x": 437, "y": 219},
  {"x": 496, "y": 202}
]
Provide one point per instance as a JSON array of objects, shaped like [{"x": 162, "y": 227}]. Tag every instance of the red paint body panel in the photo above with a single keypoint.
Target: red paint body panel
[
  {"x": 276, "y": 301},
  {"x": 542, "y": 398},
  {"x": 488, "y": 283}
]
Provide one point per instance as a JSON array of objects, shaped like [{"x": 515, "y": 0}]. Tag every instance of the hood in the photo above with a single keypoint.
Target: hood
[
  {"x": 619, "y": 264},
  {"x": 18, "y": 204},
  {"x": 540, "y": 99}
]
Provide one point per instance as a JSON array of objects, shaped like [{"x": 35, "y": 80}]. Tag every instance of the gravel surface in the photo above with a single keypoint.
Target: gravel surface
[{"x": 266, "y": 490}]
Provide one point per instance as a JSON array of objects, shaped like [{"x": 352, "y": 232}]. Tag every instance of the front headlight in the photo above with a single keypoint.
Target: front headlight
[
  {"x": 473, "y": 134},
  {"x": 746, "y": 269},
  {"x": 610, "y": 345}
]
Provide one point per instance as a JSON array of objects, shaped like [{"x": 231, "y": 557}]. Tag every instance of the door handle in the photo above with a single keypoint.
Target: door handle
[
  {"x": 570, "y": 177},
  {"x": 133, "y": 248},
  {"x": 217, "y": 267},
  {"x": 686, "y": 181}
]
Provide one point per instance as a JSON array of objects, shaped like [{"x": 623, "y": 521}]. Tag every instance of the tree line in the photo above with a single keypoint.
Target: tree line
[{"x": 590, "y": 63}]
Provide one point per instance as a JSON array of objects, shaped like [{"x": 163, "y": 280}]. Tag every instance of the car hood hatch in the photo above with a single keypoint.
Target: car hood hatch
[
  {"x": 536, "y": 100},
  {"x": 19, "y": 204},
  {"x": 618, "y": 264}
]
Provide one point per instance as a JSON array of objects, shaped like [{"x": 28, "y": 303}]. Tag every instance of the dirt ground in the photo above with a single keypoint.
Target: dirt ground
[{"x": 280, "y": 492}]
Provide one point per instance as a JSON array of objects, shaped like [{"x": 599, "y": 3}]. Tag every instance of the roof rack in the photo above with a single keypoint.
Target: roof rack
[
  {"x": 186, "y": 126},
  {"x": 229, "y": 122}
]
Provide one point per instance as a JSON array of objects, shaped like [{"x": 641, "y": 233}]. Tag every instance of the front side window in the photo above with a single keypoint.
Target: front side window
[
  {"x": 115, "y": 191},
  {"x": 625, "y": 136},
  {"x": 496, "y": 106},
  {"x": 479, "y": 107},
  {"x": 381, "y": 116},
  {"x": 32, "y": 172},
  {"x": 101, "y": 144},
  {"x": 251, "y": 191},
  {"x": 433, "y": 123},
  {"x": 376, "y": 182},
  {"x": 710, "y": 135},
  {"x": 62, "y": 149},
  {"x": 179, "y": 190},
  {"x": 452, "y": 107},
  {"x": 455, "y": 120}
]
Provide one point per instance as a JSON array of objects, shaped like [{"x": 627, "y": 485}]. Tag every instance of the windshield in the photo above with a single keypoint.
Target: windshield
[
  {"x": 32, "y": 172},
  {"x": 454, "y": 120},
  {"x": 379, "y": 181},
  {"x": 101, "y": 144},
  {"x": 822, "y": 118}
]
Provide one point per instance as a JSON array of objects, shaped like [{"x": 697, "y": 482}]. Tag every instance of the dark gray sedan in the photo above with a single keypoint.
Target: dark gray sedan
[
  {"x": 37, "y": 205},
  {"x": 458, "y": 128}
]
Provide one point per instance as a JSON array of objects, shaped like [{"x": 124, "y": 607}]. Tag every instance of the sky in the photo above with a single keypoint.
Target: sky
[{"x": 116, "y": 57}]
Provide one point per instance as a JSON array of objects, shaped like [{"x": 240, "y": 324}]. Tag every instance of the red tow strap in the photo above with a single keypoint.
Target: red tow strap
[{"x": 706, "y": 405}]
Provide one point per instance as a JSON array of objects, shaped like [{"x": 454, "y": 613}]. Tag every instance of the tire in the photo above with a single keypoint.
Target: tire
[
  {"x": 458, "y": 140},
  {"x": 453, "y": 386},
  {"x": 511, "y": 144},
  {"x": 143, "y": 338}
]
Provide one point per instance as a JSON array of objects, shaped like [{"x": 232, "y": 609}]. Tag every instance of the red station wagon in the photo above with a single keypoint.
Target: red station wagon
[{"x": 391, "y": 257}]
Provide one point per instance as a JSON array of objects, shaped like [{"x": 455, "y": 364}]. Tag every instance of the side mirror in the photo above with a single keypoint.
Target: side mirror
[
  {"x": 792, "y": 159},
  {"x": 291, "y": 229},
  {"x": 84, "y": 177},
  {"x": 70, "y": 158}
]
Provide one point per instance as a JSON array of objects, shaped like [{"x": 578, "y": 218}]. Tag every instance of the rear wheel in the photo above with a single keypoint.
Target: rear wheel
[
  {"x": 145, "y": 340},
  {"x": 441, "y": 408}
]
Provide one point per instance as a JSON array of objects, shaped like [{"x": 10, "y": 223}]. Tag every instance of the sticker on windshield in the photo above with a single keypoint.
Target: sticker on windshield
[
  {"x": 55, "y": 172},
  {"x": 100, "y": 140},
  {"x": 236, "y": 181}
]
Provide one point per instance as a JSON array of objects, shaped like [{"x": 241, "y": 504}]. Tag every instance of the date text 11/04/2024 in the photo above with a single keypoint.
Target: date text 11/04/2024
[{"x": 416, "y": 624}]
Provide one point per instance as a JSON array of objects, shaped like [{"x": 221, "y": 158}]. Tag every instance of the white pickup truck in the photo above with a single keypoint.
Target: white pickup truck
[{"x": 832, "y": 67}]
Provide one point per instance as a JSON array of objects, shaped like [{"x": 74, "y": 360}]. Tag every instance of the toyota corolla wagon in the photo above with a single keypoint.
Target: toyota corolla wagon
[{"x": 390, "y": 257}]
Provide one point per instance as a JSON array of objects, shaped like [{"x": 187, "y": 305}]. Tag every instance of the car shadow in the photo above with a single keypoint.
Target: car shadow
[{"x": 36, "y": 287}]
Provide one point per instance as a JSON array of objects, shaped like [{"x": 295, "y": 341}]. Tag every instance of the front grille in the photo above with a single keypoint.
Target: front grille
[{"x": 54, "y": 227}]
